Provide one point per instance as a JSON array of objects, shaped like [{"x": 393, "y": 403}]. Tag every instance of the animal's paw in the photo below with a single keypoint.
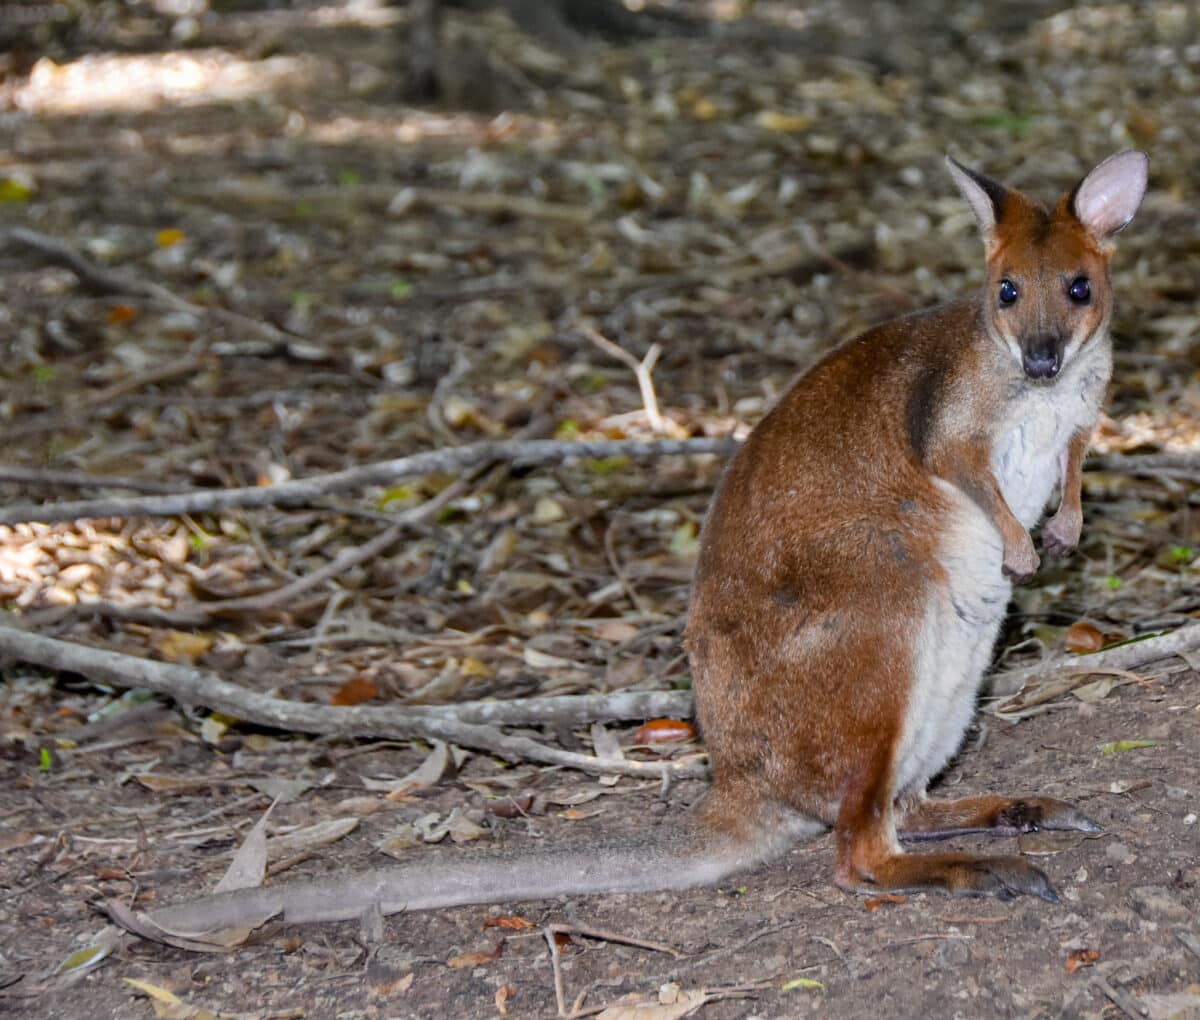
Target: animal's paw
[
  {"x": 1035, "y": 813},
  {"x": 1022, "y": 562},
  {"x": 1060, "y": 536},
  {"x": 1006, "y": 878}
]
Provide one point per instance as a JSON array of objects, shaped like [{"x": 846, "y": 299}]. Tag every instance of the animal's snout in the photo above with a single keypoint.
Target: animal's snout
[{"x": 1041, "y": 357}]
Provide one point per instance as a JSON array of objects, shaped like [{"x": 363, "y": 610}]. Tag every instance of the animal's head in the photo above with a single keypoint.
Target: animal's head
[{"x": 1048, "y": 292}]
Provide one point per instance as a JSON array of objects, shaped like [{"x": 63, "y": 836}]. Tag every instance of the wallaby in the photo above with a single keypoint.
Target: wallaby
[{"x": 854, "y": 569}]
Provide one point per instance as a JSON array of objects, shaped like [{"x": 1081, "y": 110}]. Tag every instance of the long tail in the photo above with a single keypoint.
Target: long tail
[{"x": 671, "y": 859}]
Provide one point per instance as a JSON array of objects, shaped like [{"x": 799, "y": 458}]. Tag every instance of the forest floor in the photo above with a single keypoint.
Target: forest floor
[{"x": 314, "y": 275}]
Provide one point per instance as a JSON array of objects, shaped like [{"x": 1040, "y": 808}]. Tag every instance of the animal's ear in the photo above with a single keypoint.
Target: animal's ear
[
  {"x": 1106, "y": 199},
  {"x": 984, "y": 196}
]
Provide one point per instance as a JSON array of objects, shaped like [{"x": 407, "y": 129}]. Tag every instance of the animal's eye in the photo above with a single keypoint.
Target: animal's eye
[
  {"x": 1080, "y": 290},
  {"x": 1008, "y": 292}
]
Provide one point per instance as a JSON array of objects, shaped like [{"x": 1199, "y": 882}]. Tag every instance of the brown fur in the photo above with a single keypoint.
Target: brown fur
[{"x": 821, "y": 553}]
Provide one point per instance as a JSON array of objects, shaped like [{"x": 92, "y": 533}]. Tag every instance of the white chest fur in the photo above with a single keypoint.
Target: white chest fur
[
  {"x": 1032, "y": 437},
  {"x": 954, "y": 643}
]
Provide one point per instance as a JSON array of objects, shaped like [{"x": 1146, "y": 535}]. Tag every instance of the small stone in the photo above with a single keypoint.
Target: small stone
[
  {"x": 952, "y": 953},
  {"x": 1156, "y": 903},
  {"x": 1120, "y": 853}
]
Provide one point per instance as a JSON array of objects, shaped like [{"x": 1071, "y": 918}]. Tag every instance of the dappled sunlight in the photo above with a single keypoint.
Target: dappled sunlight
[
  {"x": 413, "y": 125},
  {"x": 146, "y": 563},
  {"x": 140, "y": 83}
]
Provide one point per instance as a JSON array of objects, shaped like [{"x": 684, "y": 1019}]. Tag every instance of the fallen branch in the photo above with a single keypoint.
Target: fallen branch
[
  {"x": 1152, "y": 465},
  {"x": 192, "y": 686},
  {"x": 299, "y": 492},
  {"x": 1124, "y": 657}
]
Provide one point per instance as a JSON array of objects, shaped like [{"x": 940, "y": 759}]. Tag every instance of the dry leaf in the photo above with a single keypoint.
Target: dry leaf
[
  {"x": 1083, "y": 637},
  {"x": 548, "y": 511},
  {"x": 543, "y": 660},
  {"x": 503, "y": 994},
  {"x": 787, "y": 123},
  {"x": 182, "y": 645},
  {"x": 389, "y": 988},
  {"x": 437, "y": 764},
  {"x": 672, "y": 1003},
  {"x": 121, "y": 315},
  {"x": 355, "y": 691},
  {"x": 311, "y": 837},
  {"x": 616, "y": 631},
  {"x": 477, "y": 959},
  {"x": 168, "y": 784},
  {"x": 476, "y": 668},
  {"x": 607, "y": 746},
  {"x": 510, "y": 921},
  {"x": 664, "y": 731},
  {"x": 1082, "y": 958},
  {"x": 511, "y": 806},
  {"x": 249, "y": 864}
]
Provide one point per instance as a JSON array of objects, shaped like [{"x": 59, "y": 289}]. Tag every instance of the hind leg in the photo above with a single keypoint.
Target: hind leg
[
  {"x": 869, "y": 857},
  {"x": 921, "y": 819}
]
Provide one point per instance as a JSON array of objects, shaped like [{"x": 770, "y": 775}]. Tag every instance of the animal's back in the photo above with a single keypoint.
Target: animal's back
[{"x": 818, "y": 563}]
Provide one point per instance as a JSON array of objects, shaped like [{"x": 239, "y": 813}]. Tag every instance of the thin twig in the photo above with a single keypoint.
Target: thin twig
[
  {"x": 604, "y": 935},
  {"x": 641, "y": 371},
  {"x": 298, "y": 492},
  {"x": 614, "y": 564},
  {"x": 59, "y": 479},
  {"x": 192, "y": 686},
  {"x": 186, "y": 365},
  {"x": 560, "y": 996}
]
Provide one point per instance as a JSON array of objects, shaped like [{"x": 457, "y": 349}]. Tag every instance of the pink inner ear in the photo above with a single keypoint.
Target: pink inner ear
[{"x": 1110, "y": 195}]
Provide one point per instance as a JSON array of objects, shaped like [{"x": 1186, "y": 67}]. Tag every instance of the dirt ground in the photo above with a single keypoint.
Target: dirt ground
[{"x": 353, "y": 278}]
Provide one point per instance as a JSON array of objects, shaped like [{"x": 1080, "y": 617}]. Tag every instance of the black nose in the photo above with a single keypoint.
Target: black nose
[
  {"x": 1041, "y": 356},
  {"x": 1041, "y": 364}
]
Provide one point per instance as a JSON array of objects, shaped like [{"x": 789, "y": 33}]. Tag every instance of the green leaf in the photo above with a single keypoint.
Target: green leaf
[
  {"x": 400, "y": 289},
  {"x": 14, "y": 191},
  {"x": 1018, "y": 124},
  {"x": 1113, "y": 582},
  {"x": 1117, "y": 746},
  {"x": 1182, "y": 554},
  {"x": 349, "y": 178},
  {"x": 570, "y": 427},
  {"x": 402, "y": 494},
  {"x": 801, "y": 982},
  {"x": 604, "y": 466},
  {"x": 46, "y": 762},
  {"x": 42, "y": 374},
  {"x": 89, "y": 956}
]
